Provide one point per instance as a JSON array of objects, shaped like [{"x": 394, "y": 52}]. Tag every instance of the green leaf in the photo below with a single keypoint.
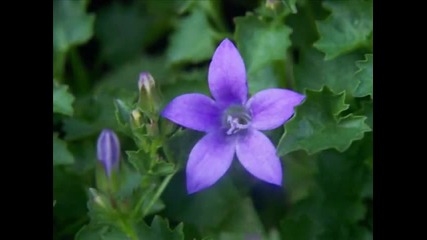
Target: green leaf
[
  {"x": 121, "y": 30},
  {"x": 366, "y": 76},
  {"x": 334, "y": 208},
  {"x": 267, "y": 77},
  {"x": 261, "y": 43},
  {"x": 193, "y": 209},
  {"x": 243, "y": 220},
  {"x": 291, "y": 4},
  {"x": 187, "y": 44},
  {"x": 100, "y": 232},
  {"x": 317, "y": 125},
  {"x": 62, "y": 100},
  {"x": 140, "y": 160},
  {"x": 160, "y": 230},
  {"x": 61, "y": 154},
  {"x": 347, "y": 28},
  {"x": 313, "y": 72},
  {"x": 302, "y": 228},
  {"x": 71, "y": 24}
]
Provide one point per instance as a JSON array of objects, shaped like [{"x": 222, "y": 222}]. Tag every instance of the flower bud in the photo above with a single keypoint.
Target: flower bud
[
  {"x": 147, "y": 93},
  {"x": 146, "y": 82},
  {"x": 136, "y": 117},
  {"x": 108, "y": 150},
  {"x": 272, "y": 4}
]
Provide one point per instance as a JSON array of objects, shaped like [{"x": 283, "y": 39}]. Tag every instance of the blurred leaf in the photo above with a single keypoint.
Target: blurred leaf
[
  {"x": 261, "y": 43},
  {"x": 299, "y": 174},
  {"x": 140, "y": 160},
  {"x": 187, "y": 44},
  {"x": 317, "y": 126},
  {"x": 162, "y": 168},
  {"x": 347, "y": 28},
  {"x": 366, "y": 76},
  {"x": 142, "y": 163},
  {"x": 291, "y": 4},
  {"x": 95, "y": 114},
  {"x": 100, "y": 232},
  {"x": 71, "y": 24},
  {"x": 302, "y": 228},
  {"x": 101, "y": 210},
  {"x": 193, "y": 209},
  {"x": 160, "y": 230},
  {"x": 367, "y": 110},
  {"x": 267, "y": 77},
  {"x": 312, "y": 72},
  {"x": 126, "y": 77},
  {"x": 61, "y": 154},
  {"x": 243, "y": 220},
  {"x": 121, "y": 30},
  {"x": 335, "y": 206},
  {"x": 62, "y": 100},
  {"x": 178, "y": 147}
]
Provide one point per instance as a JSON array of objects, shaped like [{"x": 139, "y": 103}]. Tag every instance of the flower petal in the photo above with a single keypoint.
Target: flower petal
[
  {"x": 257, "y": 154},
  {"x": 209, "y": 160},
  {"x": 227, "y": 75},
  {"x": 195, "y": 111},
  {"x": 271, "y": 108}
]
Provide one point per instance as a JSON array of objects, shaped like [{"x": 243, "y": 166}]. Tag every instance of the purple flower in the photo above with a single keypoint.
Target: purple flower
[
  {"x": 108, "y": 150},
  {"x": 231, "y": 122}
]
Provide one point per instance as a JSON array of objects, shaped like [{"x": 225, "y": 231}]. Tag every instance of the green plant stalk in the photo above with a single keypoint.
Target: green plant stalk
[{"x": 158, "y": 193}]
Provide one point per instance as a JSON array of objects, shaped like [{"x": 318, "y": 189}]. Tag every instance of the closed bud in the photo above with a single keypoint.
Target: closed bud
[
  {"x": 148, "y": 97},
  {"x": 108, "y": 150},
  {"x": 136, "y": 117},
  {"x": 146, "y": 82},
  {"x": 272, "y": 4}
]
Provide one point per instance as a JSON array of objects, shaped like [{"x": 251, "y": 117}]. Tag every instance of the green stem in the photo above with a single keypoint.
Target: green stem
[
  {"x": 157, "y": 194},
  {"x": 128, "y": 229},
  {"x": 140, "y": 202}
]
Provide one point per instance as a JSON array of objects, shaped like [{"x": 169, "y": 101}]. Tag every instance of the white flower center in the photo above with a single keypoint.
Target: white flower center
[{"x": 235, "y": 119}]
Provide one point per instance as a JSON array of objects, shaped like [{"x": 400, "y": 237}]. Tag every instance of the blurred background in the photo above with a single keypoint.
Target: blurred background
[{"x": 101, "y": 47}]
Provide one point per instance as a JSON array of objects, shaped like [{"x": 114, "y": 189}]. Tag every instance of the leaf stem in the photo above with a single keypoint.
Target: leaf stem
[{"x": 158, "y": 193}]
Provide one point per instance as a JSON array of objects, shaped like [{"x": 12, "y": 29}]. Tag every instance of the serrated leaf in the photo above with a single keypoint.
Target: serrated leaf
[
  {"x": 162, "y": 168},
  {"x": 313, "y": 72},
  {"x": 71, "y": 24},
  {"x": 160, "y": 230},
  {"x": 140, "y": 160},
  {"x": 261, "y": 43},
  {"x": 61, "y": 154},
  {"x": 62, "y": 100},
  {"x": 316, "y": 125},
  {"x": 347, "y": 28},
  {"x": 366, "y": 77},
  {"x": 187, "y": 44}
]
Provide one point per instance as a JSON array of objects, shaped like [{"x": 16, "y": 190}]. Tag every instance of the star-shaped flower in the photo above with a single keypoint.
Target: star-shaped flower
[{"x": 232, "y": 122}]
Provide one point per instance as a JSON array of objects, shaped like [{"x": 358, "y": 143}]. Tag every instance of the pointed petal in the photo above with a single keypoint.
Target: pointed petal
[
  {"x": 271, "y": 108},
  {"x": 209, "y": 160},
  {"x": 194, "y": 111},
  {"x": 227, "y": 75},
  {"x": 257, "y": 154}
]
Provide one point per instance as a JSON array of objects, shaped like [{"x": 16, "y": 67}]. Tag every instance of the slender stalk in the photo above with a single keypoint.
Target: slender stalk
[{"x": 157, "y": 194}]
